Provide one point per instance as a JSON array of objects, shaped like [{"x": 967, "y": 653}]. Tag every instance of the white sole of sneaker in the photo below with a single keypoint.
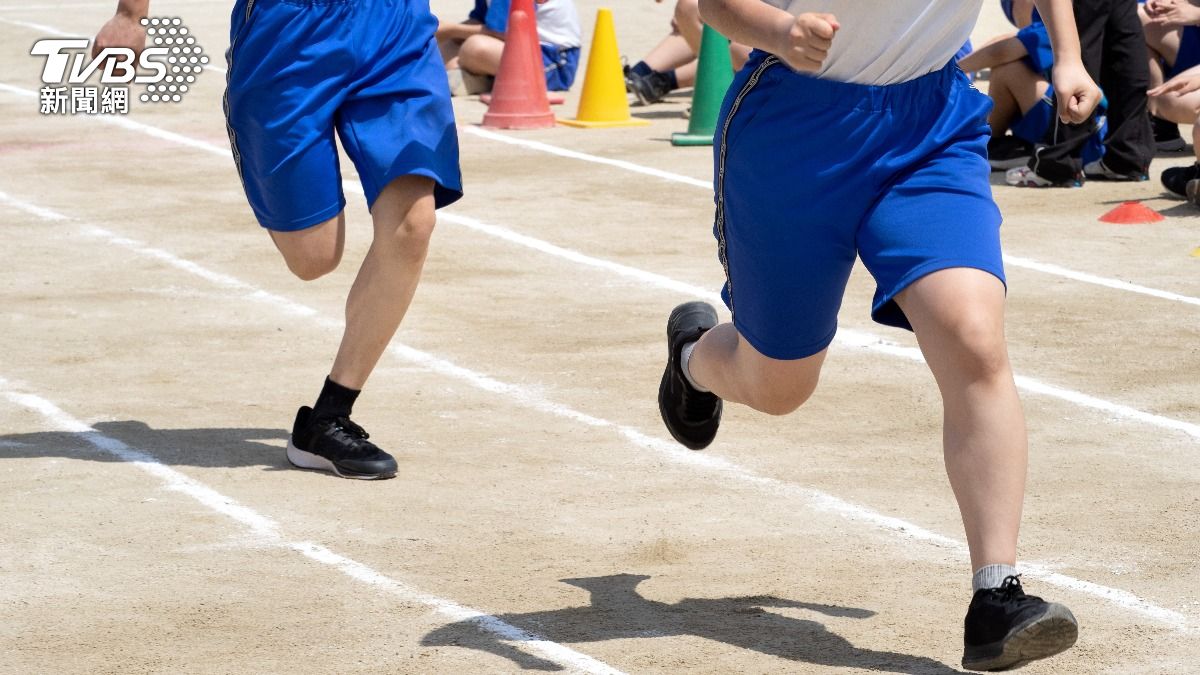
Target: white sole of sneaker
[
  {"x": 302, "y": 459},
  {"x": 1051, "y": 633}
]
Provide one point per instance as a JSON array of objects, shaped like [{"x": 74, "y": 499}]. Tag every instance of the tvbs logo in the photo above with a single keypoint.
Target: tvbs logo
[{"x": 168, "y": 66}]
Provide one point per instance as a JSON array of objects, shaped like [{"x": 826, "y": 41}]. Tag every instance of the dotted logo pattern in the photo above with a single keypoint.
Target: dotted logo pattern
[{"x": 184, "y": 61}]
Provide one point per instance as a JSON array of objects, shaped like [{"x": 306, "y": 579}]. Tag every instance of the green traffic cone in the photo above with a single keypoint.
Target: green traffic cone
[{"x": 714, "y": 73}]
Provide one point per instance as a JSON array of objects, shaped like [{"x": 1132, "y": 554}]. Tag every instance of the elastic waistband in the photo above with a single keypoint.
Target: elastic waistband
[{"x": 867, "y": 96}]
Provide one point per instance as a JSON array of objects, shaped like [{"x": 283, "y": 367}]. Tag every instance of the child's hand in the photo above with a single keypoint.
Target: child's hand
[
  {"x": 804, "y": 42},
  {"x": 121, "y": 31},
  {"x": 1177, "y": 86},
  {"x": 1077, "y": 94},
  {"x": 1173, "y": 13}
]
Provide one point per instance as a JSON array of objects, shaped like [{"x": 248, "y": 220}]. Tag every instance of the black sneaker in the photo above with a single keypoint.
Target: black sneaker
[
  {"x": 1008, "y": 152},
  {"x": 1176, "y": 178},
  {"x": 1166, "y": 135},
  {"x": 649, "y": 88},
  {"x": 1007, "y": 629},
  {"x": 336, "y": 444},
  {"x": 692, "y": 416}
]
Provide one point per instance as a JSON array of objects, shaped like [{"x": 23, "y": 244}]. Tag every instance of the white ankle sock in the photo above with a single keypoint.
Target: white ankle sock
[
  {"x": 685, "y": 358},
  {"x": 991, "y": 576}
]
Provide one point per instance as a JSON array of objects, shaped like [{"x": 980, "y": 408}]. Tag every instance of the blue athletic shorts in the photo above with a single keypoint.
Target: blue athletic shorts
[
  {"x": 561, "y": 64},
  {"x": 369, "y": 69},
  {"x": 811, "y": 173}
]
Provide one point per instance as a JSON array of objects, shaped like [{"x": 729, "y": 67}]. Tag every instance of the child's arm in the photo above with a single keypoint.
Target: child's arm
[
  {"x": 1004, "y": 49},
  {"x": 125, "y": 28},
  {"x": 801, "y": 41},
  {"x": 1077, "y": 94}
]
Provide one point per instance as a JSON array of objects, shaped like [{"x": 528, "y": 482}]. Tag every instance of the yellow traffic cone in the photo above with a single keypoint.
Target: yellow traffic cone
[{"x": 603, "y": 103}]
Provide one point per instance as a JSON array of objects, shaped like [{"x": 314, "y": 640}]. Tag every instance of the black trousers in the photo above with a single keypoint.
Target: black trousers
[{"x": 1114, "y": 54}]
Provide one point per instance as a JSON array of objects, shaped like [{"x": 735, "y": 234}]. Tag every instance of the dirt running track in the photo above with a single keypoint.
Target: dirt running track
[{"x": 153, "y": 349}]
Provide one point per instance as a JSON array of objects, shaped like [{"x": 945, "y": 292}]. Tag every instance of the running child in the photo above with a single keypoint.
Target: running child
[
  {"x": 299, "y": 70},
  {"x": 851, "y": 132}
]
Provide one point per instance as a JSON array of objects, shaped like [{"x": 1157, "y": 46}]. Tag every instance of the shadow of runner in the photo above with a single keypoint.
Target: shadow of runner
[
  {"x": 617, "y": 611},
  {"x": 176, "y": 447}
]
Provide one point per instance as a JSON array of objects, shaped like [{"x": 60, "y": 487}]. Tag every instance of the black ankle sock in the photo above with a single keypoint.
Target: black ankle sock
[
  {"x": 672, "y": 80},
  {"x": 641, "y": 69},
  {"x": 334, "y": 401}
]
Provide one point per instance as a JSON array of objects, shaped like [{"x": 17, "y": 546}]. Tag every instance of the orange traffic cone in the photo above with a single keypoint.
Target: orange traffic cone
[
  {"x": 603, "y": 102},
  {"x": 519, "y": 94},
  {"x": 1132, "y": 213}
]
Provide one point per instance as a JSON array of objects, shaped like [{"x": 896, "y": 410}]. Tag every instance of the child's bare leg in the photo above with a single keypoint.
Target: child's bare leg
[
  {"x": 480, "y": 54},
  {"x": 687, "y": 21},
  {"x": 1162, "y": 46},
  {"x": 1014, "y": 90},
  {"x": 1178, "y": 109},
  {"x": 685, "y": 75},
  {"x": 313, "y": 252},
  {"x": 449, "y": 49},
  {"x": 670, "y": 54},
  {"x": 403, "y": 216},
  {"x": 725, "y": 364},
  {"x": 958, "y": 317}
]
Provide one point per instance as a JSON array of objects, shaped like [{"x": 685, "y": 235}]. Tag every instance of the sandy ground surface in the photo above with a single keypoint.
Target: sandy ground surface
[{"x": 541, "y": 519}]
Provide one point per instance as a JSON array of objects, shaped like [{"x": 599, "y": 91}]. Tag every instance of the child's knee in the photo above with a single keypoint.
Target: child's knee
[
  {"x": 309, "y": 265},
  {"x": 314, "y": 252},
  {"x": 982, "y": 350},
  {"x": 475, "y": 55},
  {"x": 778, "y": 391},
  {"x": 410, "y": 234}
]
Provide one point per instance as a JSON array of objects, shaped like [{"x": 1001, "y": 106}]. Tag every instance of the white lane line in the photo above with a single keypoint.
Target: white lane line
[
  {"x": 1087, "y": 278},
  {"x": 710, "y": 463},
  {"x": 51, "y": 30},
  {"x": 1015, "y": 261},
  {"x": 845, "y": 336},
  {"x": 266, "y": 531}
]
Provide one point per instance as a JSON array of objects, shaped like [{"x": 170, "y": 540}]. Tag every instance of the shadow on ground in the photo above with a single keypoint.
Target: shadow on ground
[
  {"x": 618, "y": 612},
  {"x": 176, "y": 447}
]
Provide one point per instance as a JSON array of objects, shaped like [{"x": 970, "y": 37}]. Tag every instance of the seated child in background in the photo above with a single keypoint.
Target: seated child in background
[
  {"x": 1020, "y": 89},
  {"x": 471, "y": 50},
  {"x": 1176, "y": 40},
  {"x": 1173, "y": 38},
  {"x": 672, "y": 63}
]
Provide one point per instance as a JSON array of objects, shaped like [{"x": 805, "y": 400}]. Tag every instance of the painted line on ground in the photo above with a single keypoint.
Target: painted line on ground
[
  {"x": 1015, "y": 261},
  {"x": 845, "y": 336},
  {"x": 266, "y": 531},
  {"x": 529, "y": 398}
]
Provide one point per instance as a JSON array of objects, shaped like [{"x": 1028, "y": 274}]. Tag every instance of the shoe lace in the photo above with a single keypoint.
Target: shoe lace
[
  {"x": 1010, "y": 591},
  {"x": 351, "y": 429}
]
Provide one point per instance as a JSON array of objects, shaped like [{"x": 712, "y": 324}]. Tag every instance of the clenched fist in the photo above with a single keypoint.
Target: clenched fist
[{"x": 804, "y": 42}]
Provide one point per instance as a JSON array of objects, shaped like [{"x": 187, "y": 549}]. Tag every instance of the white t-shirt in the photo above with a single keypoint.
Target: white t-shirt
[
  {"x": 558, "y": 23},
  {"x": 890, "y": 41}
]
